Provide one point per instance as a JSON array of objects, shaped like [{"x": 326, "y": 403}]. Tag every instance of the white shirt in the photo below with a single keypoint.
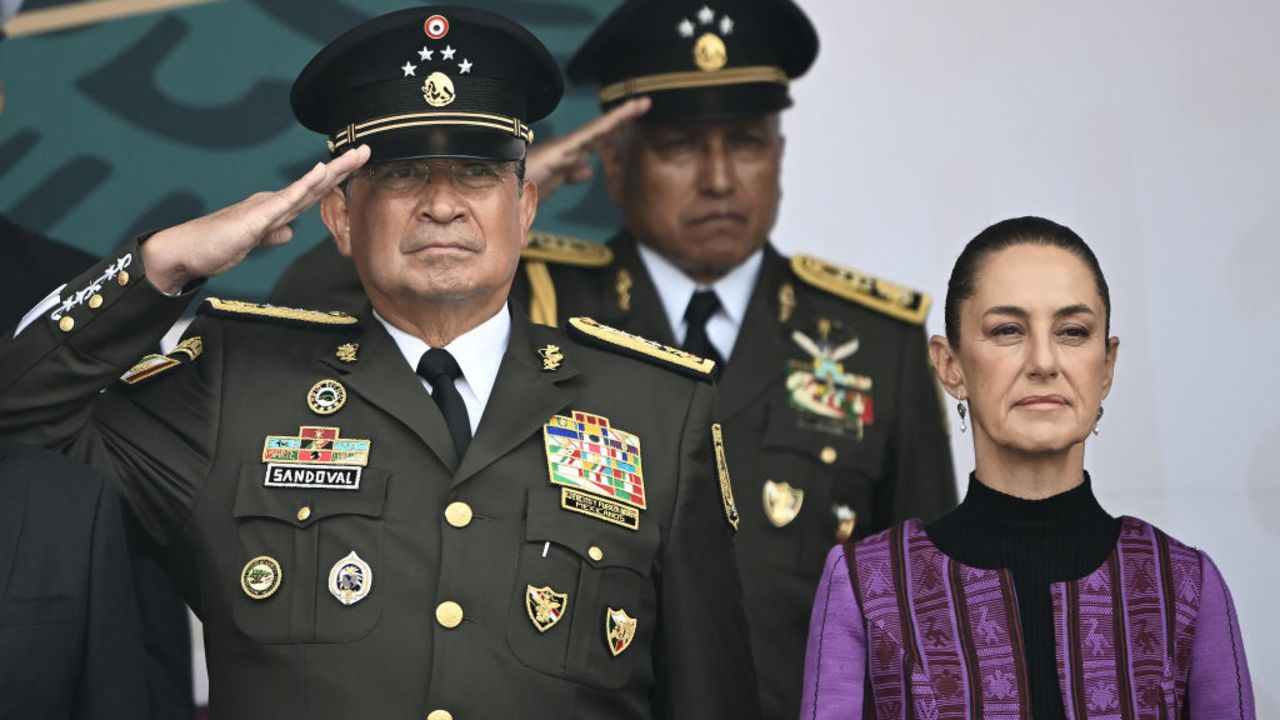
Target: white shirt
[
  {"x": 478, "y": 351},
  {"x": 675, "y": 289}
]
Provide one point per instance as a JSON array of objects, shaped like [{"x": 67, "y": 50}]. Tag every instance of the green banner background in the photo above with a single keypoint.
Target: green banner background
[{"x": 135, "y": 124}]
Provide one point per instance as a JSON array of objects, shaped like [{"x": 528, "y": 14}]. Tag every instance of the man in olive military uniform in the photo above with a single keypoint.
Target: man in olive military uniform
[
  {"x": 535, "y": 523},
  {"x": 832, "y": 418}
]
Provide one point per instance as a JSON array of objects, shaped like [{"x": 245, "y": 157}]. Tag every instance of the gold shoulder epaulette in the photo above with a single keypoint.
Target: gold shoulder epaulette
[
  {"x": 593, "y": 333},
  {"x": 883, "y": 296},
  {"x": 275, "y": 313},
  {"x": 565, "y": 250}
]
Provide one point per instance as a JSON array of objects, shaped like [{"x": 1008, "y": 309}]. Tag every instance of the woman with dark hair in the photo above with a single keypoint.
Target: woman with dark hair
[{"x": 1028, "y": 600}]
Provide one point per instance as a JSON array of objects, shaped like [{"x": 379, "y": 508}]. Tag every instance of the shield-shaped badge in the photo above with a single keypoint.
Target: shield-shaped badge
[
  {"x": 619, "y": 630},
  {"x": 350, "y": 579},
  {"x": 545, "y": 606},
  {"x": 782, "y": 502}
]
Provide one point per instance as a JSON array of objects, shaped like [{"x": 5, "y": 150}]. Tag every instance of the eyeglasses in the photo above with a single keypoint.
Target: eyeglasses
[{"x": 402, "y": 177}]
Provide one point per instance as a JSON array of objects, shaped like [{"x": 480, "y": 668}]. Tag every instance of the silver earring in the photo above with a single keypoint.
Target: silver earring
[
  {"x": 1096, "y": 420},
  {"x": 960, "y": 409}
]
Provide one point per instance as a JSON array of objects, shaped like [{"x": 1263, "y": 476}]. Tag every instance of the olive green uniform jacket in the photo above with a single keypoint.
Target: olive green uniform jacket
[
  {"x": 897, "y": 467},
  {"x": 187, "y": 446}
]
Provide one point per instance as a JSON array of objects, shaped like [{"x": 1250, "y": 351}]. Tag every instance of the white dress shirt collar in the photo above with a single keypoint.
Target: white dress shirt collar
[
  {"x": 675, "y": 290},
  {"x": 478, "y": 351}
]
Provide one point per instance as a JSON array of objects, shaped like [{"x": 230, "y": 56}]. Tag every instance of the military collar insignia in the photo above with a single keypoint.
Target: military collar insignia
[
  {"x": 722, "y": 472},
  {"x": 348, "y": 352},
  {"x": 786, "y": 302},
  {"x": 622, "y": 286},
  {"x": 827, "y": 397},
  {"x": 261, "y": 577},
  {"x": 152, "y": 365},
  {"x": 597, "y": 466},
  {"x": 326, "y": 397},
  {"x": 709, "y": 51},
  {"x": 782, "y": 502},
  {"x": 551, "y": 357},
  {"x": 544, "y": 606},
  {"x": 317, "y": 458},
  {"x": 601, "y": 335},
  {"x": 350, "y": 579},
  {"x": 619, "y": 630}
]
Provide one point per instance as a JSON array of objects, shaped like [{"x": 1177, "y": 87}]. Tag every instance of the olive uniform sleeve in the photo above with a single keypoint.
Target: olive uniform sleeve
[
  {"x": 60, "y": 390},
  {"x": 703, "y": 654},
  {"x": 919, "y": 477}
]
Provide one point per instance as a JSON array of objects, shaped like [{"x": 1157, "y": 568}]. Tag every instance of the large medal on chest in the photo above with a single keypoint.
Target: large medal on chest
[{"x": 827, "y": 397}]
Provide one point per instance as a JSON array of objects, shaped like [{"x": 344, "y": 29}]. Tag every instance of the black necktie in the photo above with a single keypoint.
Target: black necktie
[
  {"x": 440, "y": 369},
  {"x": 702, "y": 306}
]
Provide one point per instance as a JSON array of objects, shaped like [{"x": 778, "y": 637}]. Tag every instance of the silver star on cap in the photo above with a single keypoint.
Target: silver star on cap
[
  {"x": 409, "y": 69},
  {"x": 726, "y": 25},
  {"x": 685, "y": 28},
  {"x": 447, "y": 52},
  {"x": 424, "y": 53},
  {"x": 464, "y": 67},
  {"x": 706, "y": 15}
]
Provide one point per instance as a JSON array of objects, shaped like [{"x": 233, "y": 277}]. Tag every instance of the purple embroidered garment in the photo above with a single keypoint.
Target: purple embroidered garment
[{"x": 1149, "y": 633}]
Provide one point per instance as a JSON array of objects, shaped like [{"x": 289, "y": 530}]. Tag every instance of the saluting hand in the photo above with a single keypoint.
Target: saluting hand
[
  {"x": 215, "y": 243},
  {"x": 566, "y": 159}
]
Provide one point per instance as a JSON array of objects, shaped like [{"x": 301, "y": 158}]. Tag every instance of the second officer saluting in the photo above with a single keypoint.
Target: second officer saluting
[{"x": 436, "y": 509}]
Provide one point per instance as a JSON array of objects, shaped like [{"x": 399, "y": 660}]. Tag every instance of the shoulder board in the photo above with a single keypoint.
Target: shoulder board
[
  {"x": 565, "y": 250},
  {"x": 882, "y": 296},
  {"x": 276, "y": 314},
  {"x": 688, "y": 364}
]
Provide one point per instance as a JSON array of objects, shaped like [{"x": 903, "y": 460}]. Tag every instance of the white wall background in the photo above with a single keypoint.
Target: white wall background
[{"x": 1150, "y": 127}]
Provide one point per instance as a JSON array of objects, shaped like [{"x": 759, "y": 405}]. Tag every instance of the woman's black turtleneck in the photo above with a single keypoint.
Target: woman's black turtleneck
[{"x": 1041, "y": 542}]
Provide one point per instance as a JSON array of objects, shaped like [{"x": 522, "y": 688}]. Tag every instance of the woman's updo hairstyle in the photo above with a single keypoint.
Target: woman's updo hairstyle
[{"x": 1028, "y": 230}]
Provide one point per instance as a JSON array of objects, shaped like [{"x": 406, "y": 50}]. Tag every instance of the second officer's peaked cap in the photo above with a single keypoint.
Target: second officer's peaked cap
[
  {"x": 698, "y": 59},
  {"x": 434, "y": 81}
]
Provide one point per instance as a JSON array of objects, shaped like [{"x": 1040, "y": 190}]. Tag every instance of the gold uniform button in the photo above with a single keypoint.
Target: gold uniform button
[
  {"x": 458, "y": 514},
  {"x": 95, "y": 302},
  {"x": 66, "y": 323},
  {"x": 122, "y": 278},
  {"x": 304, "y": 512},
  {"x": 449, "y": 614},
  {"x": 828, "y": 455},
  {"x": 595, "y": 553},
  {"x": 440, "y": 715}
]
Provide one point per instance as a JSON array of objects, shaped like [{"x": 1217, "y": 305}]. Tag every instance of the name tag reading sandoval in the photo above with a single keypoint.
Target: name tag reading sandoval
[{"x": 317, "y": 458}]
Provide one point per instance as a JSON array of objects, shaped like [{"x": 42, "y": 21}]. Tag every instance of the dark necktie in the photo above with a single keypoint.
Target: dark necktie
[
  {"x": 440, "y": 369},
  {"x": 702, "y": 306}
]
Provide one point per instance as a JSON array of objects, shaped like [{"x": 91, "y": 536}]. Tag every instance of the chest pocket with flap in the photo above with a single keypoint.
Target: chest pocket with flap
[
  {"x": 599, "y": 566},
  {"x": 307, "y": 531}
]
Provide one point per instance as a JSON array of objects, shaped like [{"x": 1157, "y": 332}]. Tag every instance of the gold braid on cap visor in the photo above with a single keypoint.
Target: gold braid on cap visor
[
  {"x": 352, "y": 133},
  {"x": 693, "y": 79}
]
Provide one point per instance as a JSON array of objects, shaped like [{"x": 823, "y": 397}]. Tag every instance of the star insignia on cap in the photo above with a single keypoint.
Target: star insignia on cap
[
  {"x": 706, "y": 15},
  {"x": 464, "y": 67},
  {"x": 425, "y": 53},
  {"x": 685, "y": 28},
  {"x": 447, "y": 52},
  {"x": 726, "y": 25},
  {"x": 409, "y": 69}
]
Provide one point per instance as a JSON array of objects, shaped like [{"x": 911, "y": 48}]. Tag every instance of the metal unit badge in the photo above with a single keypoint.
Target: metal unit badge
[
  {"x": 326, "y": 397},
  {"x": 828, "y": 398},
  {"x": 782, "y": 502},
  {"x": 317, "y": 458},
  {"x": 350, "y": 579},
  {"x": 261, "y": 577},
  {"x": 544, "y": 606},
  {"x": 619, "y": 630},
  {"x": 597, "y": 466}
]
